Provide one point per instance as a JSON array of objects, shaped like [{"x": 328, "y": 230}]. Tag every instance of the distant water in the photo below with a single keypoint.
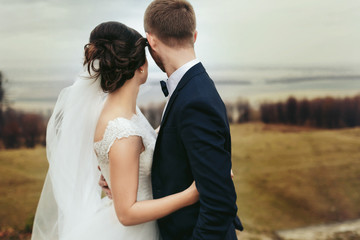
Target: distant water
[
  {"x": 258, "y": 84},
  {"x": 38, "y": 90}
]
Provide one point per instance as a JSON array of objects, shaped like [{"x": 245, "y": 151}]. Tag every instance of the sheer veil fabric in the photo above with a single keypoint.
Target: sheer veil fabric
[{"x": 71, "y": 193}]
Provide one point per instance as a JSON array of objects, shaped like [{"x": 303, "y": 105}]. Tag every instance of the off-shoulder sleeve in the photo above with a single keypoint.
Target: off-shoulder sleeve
[{"x": 118, "y": 129}]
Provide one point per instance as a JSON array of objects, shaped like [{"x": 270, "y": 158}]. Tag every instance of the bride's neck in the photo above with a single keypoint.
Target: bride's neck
[{"x": 125, "y": 97}]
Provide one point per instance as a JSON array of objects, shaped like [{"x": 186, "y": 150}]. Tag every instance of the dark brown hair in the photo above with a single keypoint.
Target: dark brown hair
[
  {"x": 120, "y": 51},
  {"x": 172, "y": 21}
]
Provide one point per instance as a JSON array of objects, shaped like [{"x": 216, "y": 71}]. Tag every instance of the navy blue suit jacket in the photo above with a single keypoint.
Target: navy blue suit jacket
[{"x": 194, "y": 144}]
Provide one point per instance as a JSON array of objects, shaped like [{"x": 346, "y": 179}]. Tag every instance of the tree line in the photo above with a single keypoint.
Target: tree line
[
  {"x": 17, "y": 128},
  {"x": 237, "y": 112},
  {"x": 21, "y": 129},
  {"x": 327, "y": 112}
]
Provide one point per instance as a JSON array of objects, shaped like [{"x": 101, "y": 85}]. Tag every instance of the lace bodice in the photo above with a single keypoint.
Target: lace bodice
[{"x": 122, "y": 128}]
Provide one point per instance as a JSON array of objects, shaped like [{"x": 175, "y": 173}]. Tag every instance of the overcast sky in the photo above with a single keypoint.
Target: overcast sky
[
  {"x": 40, "y": 34},
  {"x": 41, "y": 43}
]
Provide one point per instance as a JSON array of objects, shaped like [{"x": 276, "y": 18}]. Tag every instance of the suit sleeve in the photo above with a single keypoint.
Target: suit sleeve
[{"x": 204, "y": 133}]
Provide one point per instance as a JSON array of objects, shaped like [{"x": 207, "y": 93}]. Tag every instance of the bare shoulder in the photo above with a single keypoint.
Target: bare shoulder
[{"x": 107, "y": 115}]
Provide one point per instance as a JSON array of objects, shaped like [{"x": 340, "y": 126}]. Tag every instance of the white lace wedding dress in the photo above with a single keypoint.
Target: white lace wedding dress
[
  {"x": 70, "y": 206},
  {"x": 105, "y": 224}
]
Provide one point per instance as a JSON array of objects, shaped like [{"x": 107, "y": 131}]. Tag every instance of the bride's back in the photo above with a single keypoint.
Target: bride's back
[{"x": 70, "y": 206}]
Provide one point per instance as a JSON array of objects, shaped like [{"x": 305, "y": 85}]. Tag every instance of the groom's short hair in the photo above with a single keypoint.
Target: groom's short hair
[{"x": 172, "y": 21}]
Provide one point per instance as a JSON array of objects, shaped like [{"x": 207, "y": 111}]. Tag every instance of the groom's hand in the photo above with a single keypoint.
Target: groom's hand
[{"x": 104, "y": 186}]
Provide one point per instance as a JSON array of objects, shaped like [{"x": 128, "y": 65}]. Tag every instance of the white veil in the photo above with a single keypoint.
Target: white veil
[{"x": 71, "y": 192}]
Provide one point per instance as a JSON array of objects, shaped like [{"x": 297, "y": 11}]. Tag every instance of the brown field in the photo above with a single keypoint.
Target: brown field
[
  {"x": 285, "y": 177},
  {"x": 289, "y": 177},
  {"x": 22, "y": 174}
]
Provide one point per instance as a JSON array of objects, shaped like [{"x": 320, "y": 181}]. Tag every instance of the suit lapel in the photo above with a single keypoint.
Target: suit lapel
[
  {"x": 168, "y": 106},
  {"x": 195, "y": 70}
]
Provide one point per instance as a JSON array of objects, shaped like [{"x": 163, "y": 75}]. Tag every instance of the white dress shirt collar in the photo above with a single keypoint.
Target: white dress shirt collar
[{"x": 176, "y": 76}]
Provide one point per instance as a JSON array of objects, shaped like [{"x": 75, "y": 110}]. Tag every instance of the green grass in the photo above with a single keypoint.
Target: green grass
[
  {"x": 285, "y": 177},
  {"x": 22, "y": 174},
  {"x": 288, "y": 177}
]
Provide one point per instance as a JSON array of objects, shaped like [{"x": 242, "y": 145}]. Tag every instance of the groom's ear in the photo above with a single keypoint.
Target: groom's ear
[
  {"x": 195, "y": 36},
  {"x": 151, "y": 40}
]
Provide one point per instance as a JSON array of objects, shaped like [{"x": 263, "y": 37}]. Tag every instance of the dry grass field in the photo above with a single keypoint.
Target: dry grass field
[
  {"x": 285, "y": 176},
  {"x": 22, "y": 173},
  {"x": 288, "y": 177}
]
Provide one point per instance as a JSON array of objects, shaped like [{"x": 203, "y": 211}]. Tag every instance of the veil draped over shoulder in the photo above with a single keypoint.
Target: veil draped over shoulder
[{"x": 71, "y": 192}]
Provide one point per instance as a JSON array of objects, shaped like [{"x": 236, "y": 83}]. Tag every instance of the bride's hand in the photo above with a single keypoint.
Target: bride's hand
[
  {"x": 192, "y": 193},
  {"x": 104, "y": 186}
]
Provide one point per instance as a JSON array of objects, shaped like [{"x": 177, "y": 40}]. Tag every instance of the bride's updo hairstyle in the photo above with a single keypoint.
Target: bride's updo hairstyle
[{"x": 120, "y": 51}]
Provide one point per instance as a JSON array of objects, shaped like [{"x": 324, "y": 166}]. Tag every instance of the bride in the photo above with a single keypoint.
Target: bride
[{"x": 96, "y": 123}]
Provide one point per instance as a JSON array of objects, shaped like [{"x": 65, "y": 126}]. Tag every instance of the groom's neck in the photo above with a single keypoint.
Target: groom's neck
[{"x": 175, "y": 58}]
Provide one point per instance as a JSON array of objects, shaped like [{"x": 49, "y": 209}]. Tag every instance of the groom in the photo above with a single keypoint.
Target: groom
[{"x": 194, "y": 138}]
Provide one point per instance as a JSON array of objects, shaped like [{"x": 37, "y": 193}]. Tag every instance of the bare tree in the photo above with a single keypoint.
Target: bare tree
[
  {"x": 243, "y": 110},
  {"x": 11, "y": 130},
  {"x": 320, "y": 112},
  {"x": 303, "y": 111},
  {"x": 230, "y": 111},
  {"x": 2, "y": 94},
  {"x": 33, "y": 129},
  {"x": 291, "y": 109}
]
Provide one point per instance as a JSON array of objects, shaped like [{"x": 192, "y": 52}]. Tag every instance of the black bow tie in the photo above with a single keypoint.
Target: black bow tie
[{"x": 164, "y": 88}]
